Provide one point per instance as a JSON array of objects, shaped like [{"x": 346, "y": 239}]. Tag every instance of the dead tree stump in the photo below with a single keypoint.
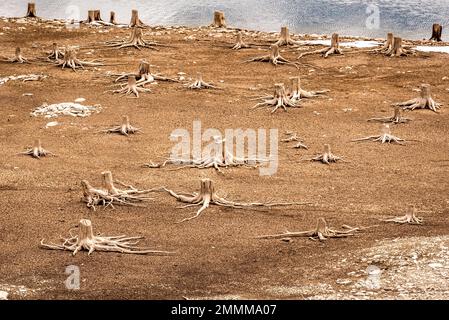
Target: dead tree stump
[
  {"x": 97, "y": 15},
  {"x": 284, "y": 39},
  {"x": 112, "y": 18},
  {"x": 31, "y": 10},
  {"x": 135, "y": 21},
  {"x": 90, "y": 16},
  {"x": 437, "y": 30},
  {"x": 219, "y": 20}
]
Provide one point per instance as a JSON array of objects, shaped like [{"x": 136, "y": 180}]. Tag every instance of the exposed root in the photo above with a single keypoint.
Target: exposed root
[
  {"x": 425, "y": 101},
  {"x": 274, "y": 58},
  {"x": 86, "y": 240},
  {"x": 18, "y": 58},
  {"x": 284, "y": 39},
  {"x": 387, "y": 46},
  {"x": 396, "y": 118},
  {"x": 70, "y": 60},
  {"x": 333, "y": 49},
  {"x": 219, "y": 20},
  {"x": 110, "y": 195},
  {"x": 297, "y": 93},
  {"x": 280, "y": 99},
  {"x": 124, "y": 129},
  {"x": 144, "y": 75},
  {"x": 219, "y": 157},
  {"x": 385, "y": 137},
  {"x": 135, "y": 41},
  {"x": 55, "y": 54},
  {"x": 326, "y": 157},
  {"x": 130, "y": 88},
  {"x": 292, "y": 136},
  {"x": 200, "y": 84},
  {"x": 240, "y": 44},
  {"x": 208, "y": 196},
  {"x": 321, "y": 232},
  {"x": 37, "y": 151},
  {"x": 410, "y": 217}
]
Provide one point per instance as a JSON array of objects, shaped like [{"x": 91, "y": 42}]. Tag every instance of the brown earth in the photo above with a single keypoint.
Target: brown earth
[{"x": 217, "y": 254}]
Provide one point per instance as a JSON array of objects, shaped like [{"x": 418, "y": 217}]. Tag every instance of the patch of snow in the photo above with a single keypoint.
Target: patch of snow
[{"x": 441, "y": 49}]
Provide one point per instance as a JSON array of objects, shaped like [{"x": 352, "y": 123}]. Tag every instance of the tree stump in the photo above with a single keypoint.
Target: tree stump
[
  {"x": 437, "y": 30},
  {"x": 219, "y": 20},
  {"x": 31, "y": 10},
  {"x": 90, "y": 16},
  {"x": 112, "y": 18},
  {"x": 284, "y": 39},
  {"x": 97, "y": 15},
  {"x": 135, "y": 21}
]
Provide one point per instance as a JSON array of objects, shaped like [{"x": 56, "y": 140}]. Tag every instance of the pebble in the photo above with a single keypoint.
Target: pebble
[
  {"x": 80, "y": 100},
  {"x": 3, "y": 295}
]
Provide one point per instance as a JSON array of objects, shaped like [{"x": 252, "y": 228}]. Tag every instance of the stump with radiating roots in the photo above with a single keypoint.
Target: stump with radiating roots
[
  {"x": 131, "y": 88},
  {"x": 86, "y": 240},
  {"x": 124, "y": 129},
  {"x": 208, "y": 196},
  {"x": 135, "y": 40},
  {"x": 333, "y": 49},
  {"x": 31, "y": 10},
  {"x": 437, "y": 31},
  {"x": 274, "y": 58},
  {"x": 409, "y": 217},
  {"x": 425, "y": 101},
  {"x": 279, "y": 99},
  {"x": 143, "y": 75},
  {"x": 398, "y": 50},
  {"x": 135, "y": 21},
  {"x": 326, "y": 157},
  {"x": 396, "y": 118},
  {"x": 240, "y": 44},
  {"x": 297, "y": 93},
  {"x": 219, "y": 20},
  {"x": 55, "y": 53},
  {"x": 37, "y": 151},
  {"x": 110, "y": 195},
  {"x": 220, "y": 158},
  {"x": 18, "y": 58},
  {"x": 387, "y": 47},
  {"x": 199, "y": 83},
  {"x": 321, "y": 232},
  {"x": 284, "y": 38},
  {"x": 384, "y": 137},
  {"x": 71, "y": 61}
]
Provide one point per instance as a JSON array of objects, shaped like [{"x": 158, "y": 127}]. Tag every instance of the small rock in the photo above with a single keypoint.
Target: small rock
[
  {"x": 3, "y": 295},
  {"x": 51, "y": 124},
  {"x": 435, "y": 265},
  {"x": 80, "y": 100}
]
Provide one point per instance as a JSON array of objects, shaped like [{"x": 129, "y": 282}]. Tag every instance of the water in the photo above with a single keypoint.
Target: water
[{"x": 410, "y": 19}]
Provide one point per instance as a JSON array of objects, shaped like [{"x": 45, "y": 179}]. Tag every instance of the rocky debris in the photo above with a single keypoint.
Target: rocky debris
[
  {"x": 65, "y": 109},
  {"x": 3, "y": 295},
  {"x": 23, "y": 77}
]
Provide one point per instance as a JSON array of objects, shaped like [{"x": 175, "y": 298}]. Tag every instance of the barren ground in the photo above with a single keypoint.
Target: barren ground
[{"x": 217, "y": 254}]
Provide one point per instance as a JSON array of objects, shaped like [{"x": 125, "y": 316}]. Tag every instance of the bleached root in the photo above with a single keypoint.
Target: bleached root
[
  {"x": 86, "y": 240},
  {"x": 71, "y": 61},
  {"x": 130, "y": 88},
  {"x": 326, "y": 157},
  {"x": 240, "y": 44},
  {"x": 397, "y": 50},
  {"x": 279, "y": 99},
  {"x": 410, "y": 217},
  {"x": 297, "y": 93},
  {"x": 37, "y": 151},
  {"x": 284, "y": 38},
  {"x": 425, "y": 101},
  {"x": 321, "y": 232},
  {"x": 55, "y": 54},
  {"x": 219, "y": 20},
  {"x": 18, "y": 58},
  {"x": 208, "y": 196},
  {"x": 292, "y": 136},
  {"x": 135, "y": 41},
  {"x": 333, "y": 49},
  {"x": 274, "y": 58},
  {"x": 200, "y": 84},
  {"x": 124, "y": 129},
  {"x": 110, "y": 195},
  {"x": 396, "y": 118},
  {"x": 219, "y": 158},
  {"x": 385, "y": 137},
  {"x": 143, "y": 75}
]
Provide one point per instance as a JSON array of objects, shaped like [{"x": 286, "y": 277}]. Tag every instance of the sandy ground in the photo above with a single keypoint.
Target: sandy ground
[{"x": 217, "y": 254}]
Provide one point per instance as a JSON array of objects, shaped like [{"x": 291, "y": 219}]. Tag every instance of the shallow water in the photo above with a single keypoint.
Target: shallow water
[{"x": 408, "y": 18}]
